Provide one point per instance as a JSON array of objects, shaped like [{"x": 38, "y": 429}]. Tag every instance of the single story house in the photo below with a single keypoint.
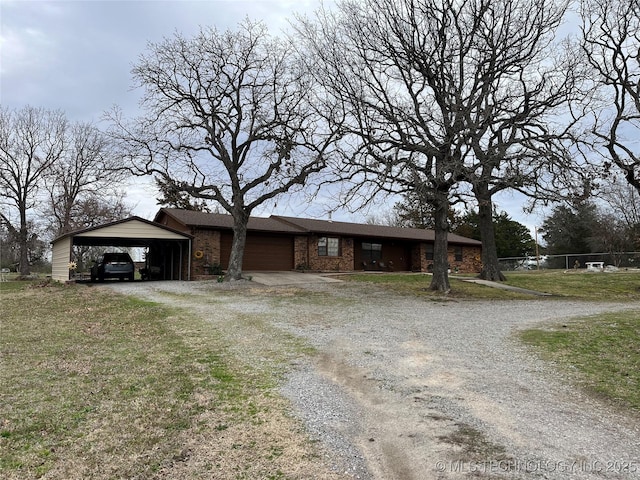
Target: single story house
[
  {"x": 280, "y": 243},
  {"x": 185, "y": 245}
]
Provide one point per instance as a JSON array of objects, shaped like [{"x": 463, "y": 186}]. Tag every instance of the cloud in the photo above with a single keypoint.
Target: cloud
[
  {"x": 27, "y": 42},
  {"x": 77, "y": 55}
]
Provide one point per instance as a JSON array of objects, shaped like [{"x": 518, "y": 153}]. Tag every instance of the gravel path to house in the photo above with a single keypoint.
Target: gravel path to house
[{"x": 407, "y": 388}]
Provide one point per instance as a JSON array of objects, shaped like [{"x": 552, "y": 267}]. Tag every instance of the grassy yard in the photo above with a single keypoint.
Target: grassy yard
[
  {"x": 601, "y": 353},
  {"x": 619, "y": 286},
  {"x": 598, "y": 286},
  {"x": 418, "y": 284},
  {"x": 97, "y": 385}
]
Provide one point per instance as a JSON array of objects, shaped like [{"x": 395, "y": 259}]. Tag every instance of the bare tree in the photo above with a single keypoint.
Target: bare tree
[
  {"x": 86, "y": 173},
  {"x": 520, "y": 82},
  {"x": 613, "y": 236},
  {"x": 230, "y": 118},
  {"x": 390, "y": 66},
  {"x": 32, "y": 141},
  {"x": 623, "y": 201},
  {"x": 611, "y": 42},
  {"x": 440, "y": 93},
  {"x": 173, "y": 197}
]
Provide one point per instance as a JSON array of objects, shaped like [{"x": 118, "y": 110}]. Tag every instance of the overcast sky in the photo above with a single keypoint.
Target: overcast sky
[{"x": 76, "y": 56}]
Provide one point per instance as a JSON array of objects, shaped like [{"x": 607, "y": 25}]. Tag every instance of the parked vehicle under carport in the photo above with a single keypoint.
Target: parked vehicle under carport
[{"x": 113, "y": 265}]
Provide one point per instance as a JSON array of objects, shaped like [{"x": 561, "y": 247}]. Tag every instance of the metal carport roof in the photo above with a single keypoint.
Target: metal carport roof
[{"x": 129, "y": 232}]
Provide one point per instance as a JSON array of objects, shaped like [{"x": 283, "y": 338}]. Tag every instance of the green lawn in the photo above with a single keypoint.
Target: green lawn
[
  {"x": 598, "y": 286},
  {"x": 602, "y": 353},
  {"x": 98, "y": 385},
  {"x": 619, "y": 286}
]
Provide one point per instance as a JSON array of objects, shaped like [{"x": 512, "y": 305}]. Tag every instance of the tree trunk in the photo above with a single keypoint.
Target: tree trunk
[
  {"x": 25, "y": 268},
  {"x": 490, "y": 265},
  {"x": 240, "y": 221},
  {"x": 440, "y": 279}
]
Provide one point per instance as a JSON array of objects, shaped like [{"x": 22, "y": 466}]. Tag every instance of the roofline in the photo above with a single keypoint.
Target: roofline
[
  {"x": 167, "y": 212},
  {"x": 290, "y": 221},
  {"x": 299, "y": 230},
  {"x": 117, "y": 222}
]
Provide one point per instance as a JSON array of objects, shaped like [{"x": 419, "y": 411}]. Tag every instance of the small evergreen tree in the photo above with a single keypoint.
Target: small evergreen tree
[
  {"x": 570, "y": 227},
  {"x": 513, "y": 239}
]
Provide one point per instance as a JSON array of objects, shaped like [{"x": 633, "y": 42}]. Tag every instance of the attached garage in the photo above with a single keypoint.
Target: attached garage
[
  {"x": 168, "y": 249},
  {"x": 279, "y": 243},
  {"x": 261, "y": 252},
  {"x": 270, "y": 243}
]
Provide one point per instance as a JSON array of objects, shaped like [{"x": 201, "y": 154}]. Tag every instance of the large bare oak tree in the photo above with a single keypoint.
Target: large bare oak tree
[
  {"x": 611, "y": 44},
  {"x": 389, "y": 65},
  {"x": 229, "y": 117},
  {"x": 441, "y": 93},
  {"x": 519, "y": 83}
]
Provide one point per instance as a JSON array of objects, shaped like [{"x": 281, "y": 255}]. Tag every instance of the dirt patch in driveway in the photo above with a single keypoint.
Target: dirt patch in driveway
[{"x": 407, "y": 388}]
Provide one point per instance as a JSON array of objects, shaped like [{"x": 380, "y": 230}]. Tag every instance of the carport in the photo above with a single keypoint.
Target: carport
[{"x": 168, "y": 249}]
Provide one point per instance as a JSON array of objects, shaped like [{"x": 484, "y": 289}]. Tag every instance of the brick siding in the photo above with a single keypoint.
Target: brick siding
[
  {"x": 306, "y": 255},
  {"x": 470, "y": 262},
  {"x": 341, "y": 263},
  {"x": 301, "y": 253},
  {"x": 208, "y": 242}
]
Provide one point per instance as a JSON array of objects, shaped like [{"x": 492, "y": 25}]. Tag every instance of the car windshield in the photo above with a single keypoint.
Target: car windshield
[{"x": 117, "y": 257}]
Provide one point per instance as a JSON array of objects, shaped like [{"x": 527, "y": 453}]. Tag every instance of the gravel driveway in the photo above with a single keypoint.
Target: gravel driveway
[{"x": 408, "y": 388}]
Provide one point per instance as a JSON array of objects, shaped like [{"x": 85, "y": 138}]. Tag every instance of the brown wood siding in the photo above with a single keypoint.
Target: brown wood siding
[
  {"x": 397, "y": 252},
  {"x": 261, "y": 252},
  {"x": 172, "y": 223}
]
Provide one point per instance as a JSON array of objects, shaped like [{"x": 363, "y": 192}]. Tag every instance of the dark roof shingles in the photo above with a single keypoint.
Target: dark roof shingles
[
  {"x": 218, "y": 220},
  {"x": 282, "y": 224}
]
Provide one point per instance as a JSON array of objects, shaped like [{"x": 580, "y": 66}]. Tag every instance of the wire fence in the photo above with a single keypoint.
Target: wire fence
[{"x": 569, "y": 261}]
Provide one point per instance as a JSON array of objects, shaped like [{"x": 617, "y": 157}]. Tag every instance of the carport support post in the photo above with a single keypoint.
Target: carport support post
[
  {"x": 70, "y": 257},
  {"x": 188, "y": 263},
  {"x": 180, "y": 262}
]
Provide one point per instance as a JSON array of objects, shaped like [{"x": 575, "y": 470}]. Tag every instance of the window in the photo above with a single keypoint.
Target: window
[
  {"x": 429, "y": 251},
  {"x": 328, "y": 247},
  {"x": 371, "y": 252},
  {"x": 458, "y": 253}
]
